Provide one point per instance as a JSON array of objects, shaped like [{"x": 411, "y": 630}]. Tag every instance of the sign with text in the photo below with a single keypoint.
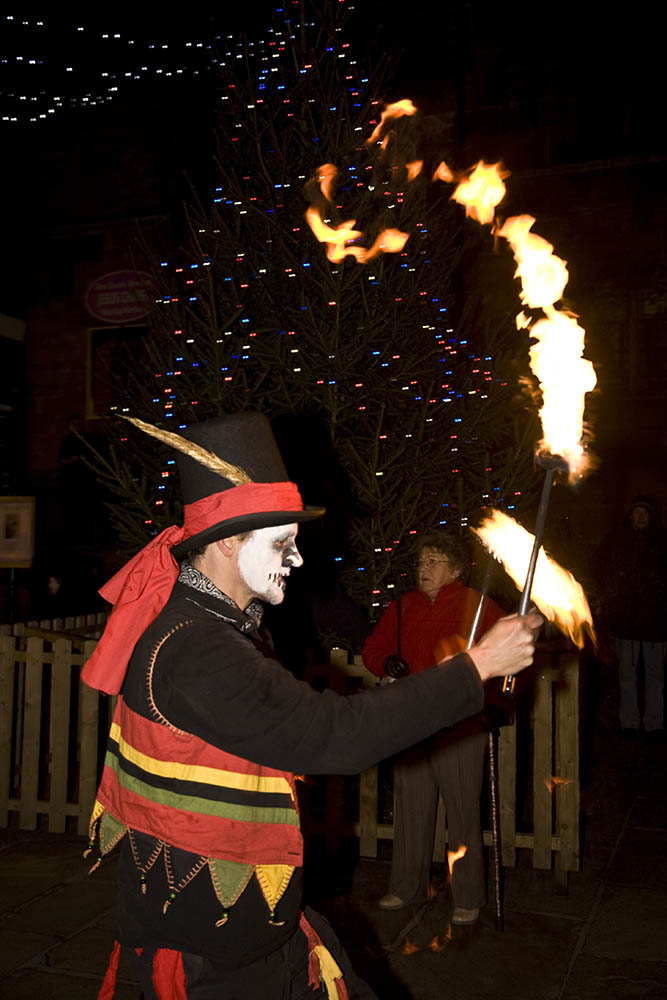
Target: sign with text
[{"x": 121, "y": 297}]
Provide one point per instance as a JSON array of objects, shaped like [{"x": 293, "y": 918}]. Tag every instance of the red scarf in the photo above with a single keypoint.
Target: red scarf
[{"x": 142, "y": 587}]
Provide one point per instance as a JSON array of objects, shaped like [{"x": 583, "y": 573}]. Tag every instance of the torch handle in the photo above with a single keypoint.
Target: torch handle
[
  {"x": 508, "y": 682},
  {"x": 482, "y": 598}
]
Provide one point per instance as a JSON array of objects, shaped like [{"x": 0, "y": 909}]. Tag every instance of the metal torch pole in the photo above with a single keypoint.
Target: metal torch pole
[
  {"x": 508, "y": 682},
  {"x": 493, "y": 765}
]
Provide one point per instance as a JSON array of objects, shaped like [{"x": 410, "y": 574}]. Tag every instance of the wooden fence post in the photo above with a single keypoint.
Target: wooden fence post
[
  {"x": 7, "y": 648},
  {"x": 61, "y": 687},
  {"x": 31, "y": 733},
  {"x": 507, "y": 785},
  {"x": 88, "y": 726},
  {"x": 567, "y": 791},
  {"x": 542, "y": 767}
]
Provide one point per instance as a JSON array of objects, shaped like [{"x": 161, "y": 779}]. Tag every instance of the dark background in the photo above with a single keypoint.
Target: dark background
[{"x": 570, "y": 100}]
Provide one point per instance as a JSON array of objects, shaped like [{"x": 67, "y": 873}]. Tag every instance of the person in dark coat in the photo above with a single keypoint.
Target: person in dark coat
[{"x": 632, "y": 603}]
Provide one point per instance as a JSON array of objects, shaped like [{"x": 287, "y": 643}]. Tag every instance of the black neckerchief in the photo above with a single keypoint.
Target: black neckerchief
[{"x": 245, "y": 621}]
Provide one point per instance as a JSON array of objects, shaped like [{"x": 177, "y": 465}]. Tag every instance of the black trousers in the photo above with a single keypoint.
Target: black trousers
[{"x": 282, "y": 975}]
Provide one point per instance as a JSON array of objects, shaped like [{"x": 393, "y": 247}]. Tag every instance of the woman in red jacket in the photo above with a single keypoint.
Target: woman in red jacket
[{"x": 416, "y": 632}]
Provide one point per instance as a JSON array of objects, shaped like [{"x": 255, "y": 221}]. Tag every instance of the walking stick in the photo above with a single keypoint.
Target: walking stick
[{"x": 493, "y": 766}]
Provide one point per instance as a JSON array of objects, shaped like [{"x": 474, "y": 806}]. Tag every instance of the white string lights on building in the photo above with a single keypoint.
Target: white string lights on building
[{"x": 50, "y": 65}]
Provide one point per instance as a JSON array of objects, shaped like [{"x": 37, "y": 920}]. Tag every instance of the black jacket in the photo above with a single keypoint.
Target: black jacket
[{"x": 211, "y": 679}]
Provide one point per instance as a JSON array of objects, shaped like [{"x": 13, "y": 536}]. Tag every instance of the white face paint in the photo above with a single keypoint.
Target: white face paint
[{"x": 265, "y": 561}]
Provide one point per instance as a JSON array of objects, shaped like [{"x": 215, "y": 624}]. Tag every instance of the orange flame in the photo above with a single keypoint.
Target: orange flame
[
  {"x": 555, "y": 591},
  {"x": 388, "y": 241},
  {"x": 481, "y": 191},
  {"x": 326, "y": 175},
  {"x": 396, "y": 110},
  {"x": 454, "y": 856},
  {"x": 543, "y": 275},
  {"x": 409, "y": 948},
  {"x": 438, "y": 943},
  {"x": 554, "y": 782},
  {"x": 335, "y": 238},
  {"x": 443, "y": 173},
  {"x": 556, "y": 358}
]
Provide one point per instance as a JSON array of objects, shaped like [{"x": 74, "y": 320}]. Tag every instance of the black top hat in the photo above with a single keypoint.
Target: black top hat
[{"x": 244, "y": 440}]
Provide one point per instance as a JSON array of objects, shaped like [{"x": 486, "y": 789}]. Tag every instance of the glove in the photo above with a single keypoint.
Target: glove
[{"x": 395, "y": 667}]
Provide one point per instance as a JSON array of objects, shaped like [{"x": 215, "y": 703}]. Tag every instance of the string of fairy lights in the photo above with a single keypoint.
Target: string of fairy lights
[
  {"x": 243, "y": 279},
  {"x": 95, "y": 66},
  {"x": 52, "y": 64}
]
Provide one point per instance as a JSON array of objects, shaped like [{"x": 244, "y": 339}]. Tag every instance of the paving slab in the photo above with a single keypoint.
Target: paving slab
[
  {"x": 629, "y": 924},
  {"x": 88, "y": 952},
  {"x": 67, "y": 908},
  {"x": 33, "y": 866},
  {"x": 527, "y": 960},
  {"x": 19, "y": 947},
  {"x": 641, "y": 859},
  {"x": 605, "y": 979},
  {"x": 650, "y": 810},
  {"x": 35, "y": 984}
]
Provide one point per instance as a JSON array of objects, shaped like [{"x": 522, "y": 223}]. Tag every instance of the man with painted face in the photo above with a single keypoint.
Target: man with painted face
[{"x": 208, "y": 731}]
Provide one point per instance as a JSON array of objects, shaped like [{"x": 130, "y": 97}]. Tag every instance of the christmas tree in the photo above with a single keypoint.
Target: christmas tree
[{"x": 397, "y": 375}]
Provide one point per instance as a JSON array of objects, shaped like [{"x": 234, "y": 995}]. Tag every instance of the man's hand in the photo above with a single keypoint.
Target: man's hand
[{"x": 508, "y": 647}]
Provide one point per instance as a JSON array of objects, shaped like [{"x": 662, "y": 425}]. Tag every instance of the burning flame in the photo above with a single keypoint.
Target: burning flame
[
  {"x": 409, "y": 948},
  {"x": 554, "y": 782},
  {"x": 557, "y": 356},
  {"x": 555, "y": 591},
  {"x": 336, "y": 238},
  {"x": 438, "y": 943},
  {"x": 389, "y": 241},
  {"x": 443, "y": 173},
  {"x": 396, "y": 110},
  {"x": 326, "y": 175},
  {"x": 454, "y": 856},
  {"x": 543, "y": 275},
  {"x": 481, "y": 191},
  {"x": 339, "y": 237}
]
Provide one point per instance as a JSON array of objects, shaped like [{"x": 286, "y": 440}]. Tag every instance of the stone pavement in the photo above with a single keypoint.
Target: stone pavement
[{"x": 606, "y": 938}]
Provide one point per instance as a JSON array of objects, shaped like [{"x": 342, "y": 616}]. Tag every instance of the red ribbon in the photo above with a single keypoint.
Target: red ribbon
[{"x": 142, "y": 587}]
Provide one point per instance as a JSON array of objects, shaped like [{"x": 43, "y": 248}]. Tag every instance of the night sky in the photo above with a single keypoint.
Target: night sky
[{"x": 504, "y": 74}]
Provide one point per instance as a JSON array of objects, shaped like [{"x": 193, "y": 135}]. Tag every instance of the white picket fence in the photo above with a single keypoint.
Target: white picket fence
[{"x": 53, "y": 728}]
